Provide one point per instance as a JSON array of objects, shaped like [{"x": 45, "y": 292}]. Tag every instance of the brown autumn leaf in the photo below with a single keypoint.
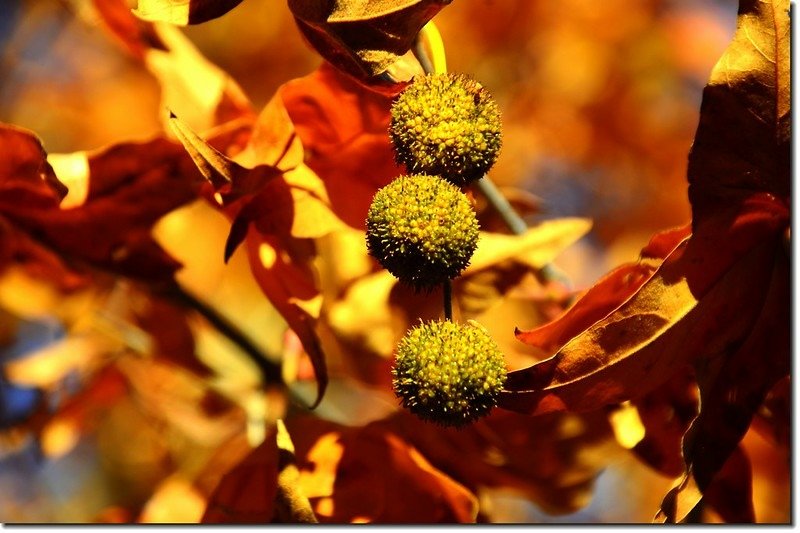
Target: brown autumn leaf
[
  {"x": 183, "y": 12},
  {"x": 363, "y": 38},
  {"x": 730, "y": 494},
  {"x": 246, "y": 494},
  {"x": 168, "y": 326},
  {"x": 605, "y": 296},
  {"x": 130, "y": 186},
  {"x": 720, "y": 299},
  {"x": 370, "y": 474},
  {"x": 666, "y": 413}
]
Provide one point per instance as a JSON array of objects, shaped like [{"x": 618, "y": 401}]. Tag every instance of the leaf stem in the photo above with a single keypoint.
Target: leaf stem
[{"x": 447, "y": 291}]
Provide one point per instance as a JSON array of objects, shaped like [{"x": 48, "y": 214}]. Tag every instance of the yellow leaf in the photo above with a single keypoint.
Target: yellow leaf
[{"x": 535, "y": 248}]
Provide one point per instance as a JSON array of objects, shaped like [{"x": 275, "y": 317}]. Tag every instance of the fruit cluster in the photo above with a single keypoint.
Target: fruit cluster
[{"x": 421, "y": 227}]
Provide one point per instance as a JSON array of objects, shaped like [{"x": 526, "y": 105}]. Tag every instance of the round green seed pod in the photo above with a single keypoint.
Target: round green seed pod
[
  {"x": 448, "y": 373},
  {"x": 422, "y": 229},
  {"x": 446, "y": 125}
]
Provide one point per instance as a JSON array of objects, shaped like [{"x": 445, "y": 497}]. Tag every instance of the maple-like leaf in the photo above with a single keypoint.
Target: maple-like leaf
[
  {"x": 277, "y": 205},
  {"x": 363, "y": 38},
  {"x": 315, "y": 157},
  {"x": 720, "y": 299},
  {"x": 183, "y": 12}
]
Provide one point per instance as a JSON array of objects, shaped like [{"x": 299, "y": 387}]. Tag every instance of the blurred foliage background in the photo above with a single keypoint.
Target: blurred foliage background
[{"x": 600, "y": 102}]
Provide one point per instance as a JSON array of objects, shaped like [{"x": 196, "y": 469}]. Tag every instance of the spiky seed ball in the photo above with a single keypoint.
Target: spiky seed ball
[
  {"x": 422, "y": 229},
  {"x": 448, "y": 373},
  {"x": 447, "y": 125}
]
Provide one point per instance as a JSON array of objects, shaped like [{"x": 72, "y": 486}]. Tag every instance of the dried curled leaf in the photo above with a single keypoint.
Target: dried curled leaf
[{"x": 363, "y": 38}]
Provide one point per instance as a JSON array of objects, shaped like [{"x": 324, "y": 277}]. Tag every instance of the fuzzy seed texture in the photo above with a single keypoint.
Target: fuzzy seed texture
[
  {"x": 448, "y": 373},
  {"x": 446, "y": 125},
  {"x": 422, "y": 229}
]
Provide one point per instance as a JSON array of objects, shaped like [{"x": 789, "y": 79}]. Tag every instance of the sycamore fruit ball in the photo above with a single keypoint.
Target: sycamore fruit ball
[
  {"x": 446, "y": 125},
  {"x": 448, "y": 373},
  {"x": 422, "y": 229}
]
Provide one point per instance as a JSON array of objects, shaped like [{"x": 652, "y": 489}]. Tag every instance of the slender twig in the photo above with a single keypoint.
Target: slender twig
[
  {"x": 499, "y": 203},
  {"x": 447, "y": 291},
  {"x": 270, "y": 371},
  {"x": 502, "y": 206}
]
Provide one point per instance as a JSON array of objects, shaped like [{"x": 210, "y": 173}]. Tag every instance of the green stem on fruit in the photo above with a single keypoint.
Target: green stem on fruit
[
  {"x": 447, "y": 291},
  {"x": 517, "y": 226}
]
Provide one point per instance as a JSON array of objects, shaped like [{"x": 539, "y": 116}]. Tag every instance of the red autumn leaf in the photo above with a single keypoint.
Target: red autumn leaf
[
  {"x": 363, "y": 38},
  {"x": 370, "y": 474},
  {"x": 344, "y": 129}
]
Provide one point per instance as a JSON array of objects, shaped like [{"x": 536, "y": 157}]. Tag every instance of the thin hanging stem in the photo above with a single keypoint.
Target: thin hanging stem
[
  {"x": 499, "y": 203},
  {"x": 502, "y": 206},
  {"x": 447, "y": 292}
]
